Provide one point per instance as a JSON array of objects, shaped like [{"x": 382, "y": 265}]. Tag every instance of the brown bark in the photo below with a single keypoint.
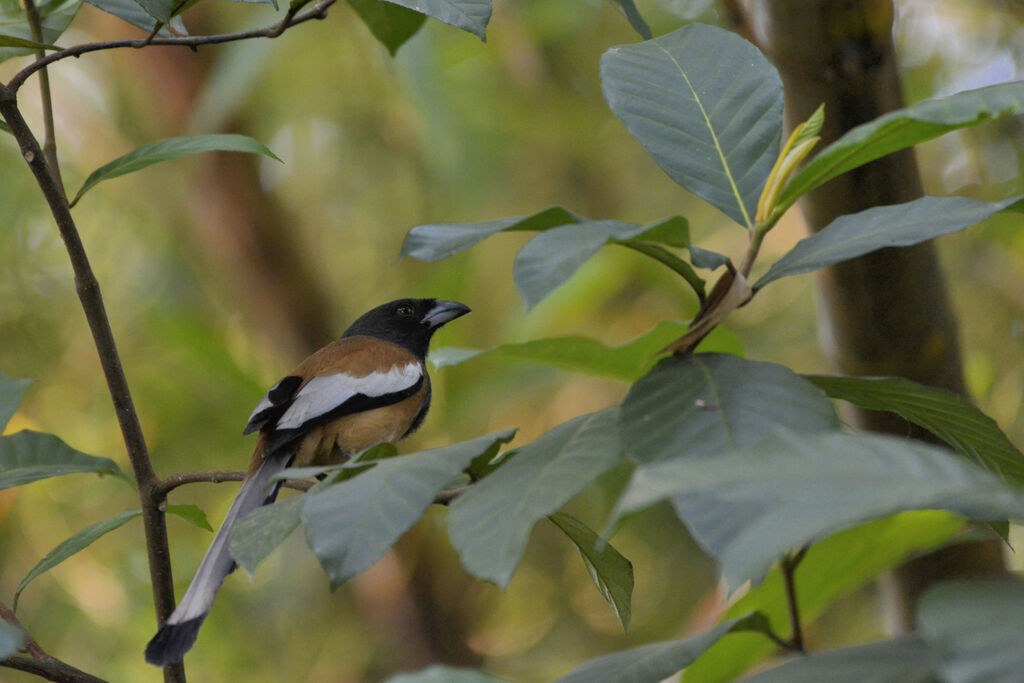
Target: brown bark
[{"x": 886, "y": 313}]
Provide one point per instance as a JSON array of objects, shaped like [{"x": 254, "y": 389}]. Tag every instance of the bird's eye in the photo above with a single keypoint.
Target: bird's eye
[{"x": 405, "y": 311}]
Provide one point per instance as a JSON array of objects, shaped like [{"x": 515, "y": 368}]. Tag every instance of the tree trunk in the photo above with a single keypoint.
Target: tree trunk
[{"x": 886, "y": 313}]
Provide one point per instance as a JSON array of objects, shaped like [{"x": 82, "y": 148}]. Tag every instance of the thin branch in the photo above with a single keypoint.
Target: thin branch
[
  {"x": 49, "y": 137},
  {"x": 681, "y": 267},
  {"x": 40, "y": 663},
  {"x": 216, "y": 477},
  {"x": 789, "y": 565},
  {"x": 292, "y": 18},
  {"x": 89, "y": 295}
]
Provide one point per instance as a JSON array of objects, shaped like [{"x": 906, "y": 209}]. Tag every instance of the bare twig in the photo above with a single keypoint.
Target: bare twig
[
  {"x": 40, "y": 663},
  {"x": 216, "y": 477},
  {"x": 50, "y": 136},
  {"x": 292, "y": 18}
]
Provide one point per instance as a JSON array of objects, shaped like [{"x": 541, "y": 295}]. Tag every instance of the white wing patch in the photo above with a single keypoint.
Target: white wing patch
[
  {"x": 265, "y": 402},
  {"x": 323, "y": 394}
]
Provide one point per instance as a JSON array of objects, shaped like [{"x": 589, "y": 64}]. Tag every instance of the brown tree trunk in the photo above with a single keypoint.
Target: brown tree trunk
[{"x": 886, "y": 313}]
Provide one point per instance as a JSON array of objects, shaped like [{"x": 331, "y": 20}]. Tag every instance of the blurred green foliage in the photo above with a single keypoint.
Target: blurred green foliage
[{"x": 449, "y": 130}]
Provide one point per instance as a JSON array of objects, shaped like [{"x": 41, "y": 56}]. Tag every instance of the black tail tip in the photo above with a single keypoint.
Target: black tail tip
[{"x": 172, "y": 641}]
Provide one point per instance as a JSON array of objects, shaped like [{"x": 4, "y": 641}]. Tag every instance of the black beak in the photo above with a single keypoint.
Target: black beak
[{"x": 443, "y": 312}]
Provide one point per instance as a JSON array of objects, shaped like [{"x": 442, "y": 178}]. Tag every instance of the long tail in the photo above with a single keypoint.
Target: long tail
[{"x": 178, "y": 634}]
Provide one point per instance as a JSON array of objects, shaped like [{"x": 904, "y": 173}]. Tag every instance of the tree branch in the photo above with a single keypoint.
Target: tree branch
[
  {"x": 292, "y": 18},
  {"x": 88, "y": 290},
  {"x": 164, "y": 487},
  {"x": 38, "y": 662}
]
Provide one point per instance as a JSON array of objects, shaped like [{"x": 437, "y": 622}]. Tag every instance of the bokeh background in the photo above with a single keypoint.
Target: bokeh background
[{"x": 220, "y": 272}]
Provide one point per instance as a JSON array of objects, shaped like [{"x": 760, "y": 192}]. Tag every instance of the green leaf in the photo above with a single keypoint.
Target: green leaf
[
  {"x": 976, "y": 630},
  {"x": 831, "y": 569},
  {"x": 611, "y": 572},
  {"x": 625, "y": 363},
  {"x": 437, "y": 241},
  {"x": 262, "y": 530},
  {"x": 444, "y": 674},
  {"x": 553, "y": 256},
  {"x": 706, "y": 403},
  {"x": 656, "y": 662},
  {"x": 169, "y": 149},
  {"x": 11, "y": 391},
  {"x": 952, "y": 418},
  {"x": 898, "y": 225},
  {"x": 391, "y": 24},
  {"x": 11, "y": 41},
  {"x": 55, "y": 16},
  {"x": 793, "y": 489},
  {"x": 191, "y": 514},
  {"x": 628, "y": 8},
  {"x": 132, "y": 12},
  {"x": 30, "y": 456},
  {"x": 902, "y": 660},
  {"x": 165, "y": 11},
  {"x": 904, "y": 128},
  {"x": 80, "y": 541},
  {"x": 352, "y": 524},
  {"x": 469, "y": 15},
  {"x": 4, "y": 127},
  {"x": 490, "y": 523},
  {"x": 11, "y": 639},
  {"x": 811, "y": 127},
  {"x": 707, "y": 106}
]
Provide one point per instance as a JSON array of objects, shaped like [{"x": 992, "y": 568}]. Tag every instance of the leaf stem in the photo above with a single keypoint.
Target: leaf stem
[
  {"x": 788, "y": 566},
  {"x": 681, "y": 267},
  {"x": 49, "y": 133}
]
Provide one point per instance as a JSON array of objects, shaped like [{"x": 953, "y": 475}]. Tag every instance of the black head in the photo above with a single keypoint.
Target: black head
[{"x": 407, "y": 322}]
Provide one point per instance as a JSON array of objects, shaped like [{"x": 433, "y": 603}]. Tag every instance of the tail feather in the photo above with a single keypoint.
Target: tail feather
[{"x": 178, "y": 634}]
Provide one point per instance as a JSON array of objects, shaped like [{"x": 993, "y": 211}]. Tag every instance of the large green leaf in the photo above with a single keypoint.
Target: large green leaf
[
  {"x": 793, "y": 489},
  {"x": 903, "y": 660},
  {"x": 132, "y": 12},
  {"x": 707, "y": 106},
  {"x": 469, "y": 15},
  {"x": 902, "y": 128},
  {"x": 898, "y": 225},
  {"x": 625, "y": 363},
  {"x": 11, "y": 639},
  {"x": 611, "y": 572},
  {"x": 262, "y": 530},
  {"x": 831, "y": 569},
  {"x": 80, "y": 541},
  {"x": 169, "y": 149},
  {"x": 30, "y": 456},
  {"x": 976, "y": 630},
  {"x": 165, "y": 11},
  {"x": 353, "y": 523},
  {"x": 551, "y": 258},
  {"x": 437, "y": 241},
  {"x": 12, "y": 41},
  {"x": 55, "y": 16},
  {"x": 11, "y": 391},
  {"x": 391, "y": 24},
  {"x": 656, "y": 662},
  {"x": 490, "y": 523},
  {"x": 703, "y": 404},
  {"x": 444, "y": 674},
  {"x": 952, "y": 418}
]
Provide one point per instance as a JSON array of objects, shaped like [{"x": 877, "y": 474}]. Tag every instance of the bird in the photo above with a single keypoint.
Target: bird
[{"x": 368, "y": 387}]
